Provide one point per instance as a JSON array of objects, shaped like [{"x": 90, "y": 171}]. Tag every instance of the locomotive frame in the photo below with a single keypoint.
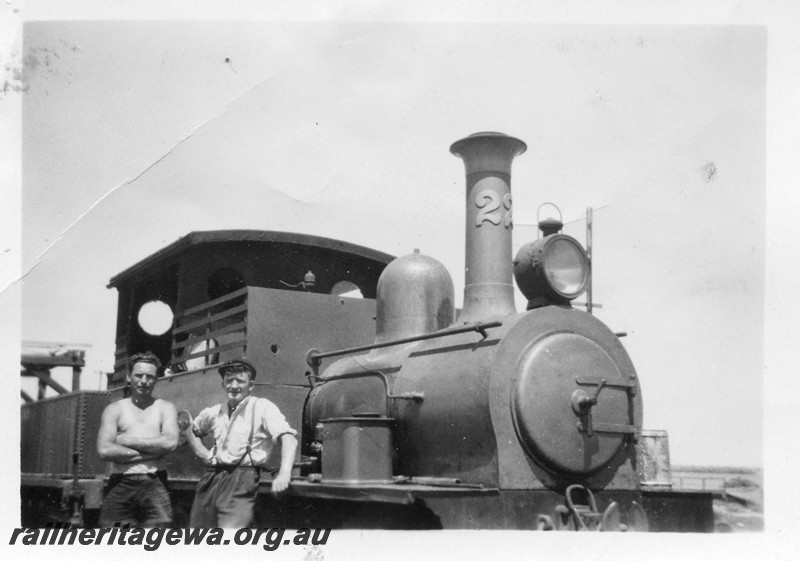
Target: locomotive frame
[{"x": 427, "y": 421}]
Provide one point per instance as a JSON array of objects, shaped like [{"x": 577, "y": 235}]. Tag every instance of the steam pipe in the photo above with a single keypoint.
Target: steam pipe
[
  {"x": 488, "y": 289},
  {"x": 315, "y": 357}
]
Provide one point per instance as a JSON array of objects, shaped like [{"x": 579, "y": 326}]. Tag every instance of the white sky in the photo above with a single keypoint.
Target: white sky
[{"x": 134, "y": 134}]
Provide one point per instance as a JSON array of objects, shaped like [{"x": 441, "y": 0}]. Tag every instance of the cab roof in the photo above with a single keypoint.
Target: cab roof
[{"x": 250, "y": 237}]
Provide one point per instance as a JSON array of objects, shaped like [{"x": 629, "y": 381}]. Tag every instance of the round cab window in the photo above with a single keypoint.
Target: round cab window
[
  {"x": 155, "y": 317},
  {"x": 346, "y": 289}
]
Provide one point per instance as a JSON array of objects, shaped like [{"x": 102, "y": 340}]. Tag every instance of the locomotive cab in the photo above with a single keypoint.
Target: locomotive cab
[{"x": 207, "y": 284}]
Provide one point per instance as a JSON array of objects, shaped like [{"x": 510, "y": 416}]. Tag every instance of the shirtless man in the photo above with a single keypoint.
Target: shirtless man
[{"x": 135, "y": 433}]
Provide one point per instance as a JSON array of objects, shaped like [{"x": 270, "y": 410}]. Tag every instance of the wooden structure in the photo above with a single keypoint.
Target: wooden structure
[{"x": 39, "y": 358}]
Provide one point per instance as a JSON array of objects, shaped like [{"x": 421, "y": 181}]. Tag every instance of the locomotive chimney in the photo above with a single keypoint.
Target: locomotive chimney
[{"x": 488, "y": 290}]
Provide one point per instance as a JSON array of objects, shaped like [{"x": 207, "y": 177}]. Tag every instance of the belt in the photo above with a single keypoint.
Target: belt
[
  {"x": 217, "y": 468},
  {"x": 137, "y": 476}
]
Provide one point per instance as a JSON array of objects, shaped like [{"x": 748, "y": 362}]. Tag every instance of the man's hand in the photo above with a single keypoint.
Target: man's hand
[
  {"x": 190, "y": 436},
  {"x": 280, "y": 483},
  {"x": 159, "y": 444},
  {"x": 184, "y": 421},
  {"x": 288, "y": 448},
  {"x": 107, "y": 447}
]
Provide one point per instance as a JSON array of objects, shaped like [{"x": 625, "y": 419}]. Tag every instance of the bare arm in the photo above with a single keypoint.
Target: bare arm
[
  {"x": 107, "y": 447},
  {"x": 197, "y": 446},
  {"x": 160, "y": 444},
  {"x": 288, "y": 448}
]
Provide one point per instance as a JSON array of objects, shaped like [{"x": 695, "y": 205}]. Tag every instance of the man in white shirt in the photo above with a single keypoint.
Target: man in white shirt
[{"x": 245, "y": 429}]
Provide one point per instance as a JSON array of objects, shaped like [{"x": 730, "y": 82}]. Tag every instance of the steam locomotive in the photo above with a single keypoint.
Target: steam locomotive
[{"x": 413, "y": 414}]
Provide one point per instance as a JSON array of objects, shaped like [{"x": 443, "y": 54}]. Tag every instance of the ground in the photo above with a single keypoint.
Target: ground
[{"x": 739, "y": 492}]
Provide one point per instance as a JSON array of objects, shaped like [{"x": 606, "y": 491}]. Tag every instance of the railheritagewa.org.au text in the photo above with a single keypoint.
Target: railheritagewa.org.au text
[{"x": 269, "y": 539}]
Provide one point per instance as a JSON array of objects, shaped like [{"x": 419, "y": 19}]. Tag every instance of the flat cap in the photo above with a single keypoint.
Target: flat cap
[{"x": 237, "y": 363}]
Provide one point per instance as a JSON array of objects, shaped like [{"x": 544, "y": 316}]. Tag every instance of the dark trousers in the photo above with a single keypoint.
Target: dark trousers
[
  {"x": 225, "y": 497},
  {"x": 140, "y": 501}
]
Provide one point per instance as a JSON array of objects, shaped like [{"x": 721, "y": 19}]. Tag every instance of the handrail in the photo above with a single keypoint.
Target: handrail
[
  {"x": 314, "y": 357},
  {"x": 214, "y": 302},
  {"x": 242, "y": 326},
  {"x": 198, "y": 327},
  {"x": 211, "y": 351},
  {"x": 208, "y": 320}
]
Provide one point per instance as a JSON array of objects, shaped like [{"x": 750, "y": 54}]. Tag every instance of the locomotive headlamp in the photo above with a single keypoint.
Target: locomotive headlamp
[
  {"x": 566, "y": 266},
  {"x": 553, "y": 269}
]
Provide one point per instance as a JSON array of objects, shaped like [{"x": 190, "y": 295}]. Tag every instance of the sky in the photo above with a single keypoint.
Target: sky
[{"x": 133, "y": 134}]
